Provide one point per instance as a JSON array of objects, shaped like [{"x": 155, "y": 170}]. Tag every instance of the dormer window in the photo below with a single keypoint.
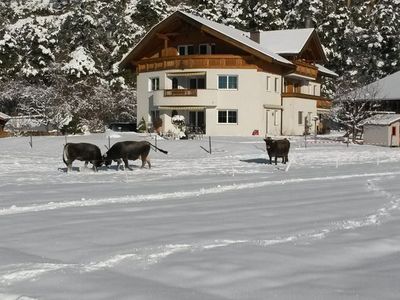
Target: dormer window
[{"x": 186, "y": 49}]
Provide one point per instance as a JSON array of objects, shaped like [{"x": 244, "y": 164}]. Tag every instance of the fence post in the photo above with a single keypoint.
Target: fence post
[
  {"x": 31, "y": 141},
  {"x": 209, "y": 143}
]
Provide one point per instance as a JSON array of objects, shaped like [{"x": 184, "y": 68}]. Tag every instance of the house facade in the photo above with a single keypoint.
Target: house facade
[{"x": 228, "y": 82}]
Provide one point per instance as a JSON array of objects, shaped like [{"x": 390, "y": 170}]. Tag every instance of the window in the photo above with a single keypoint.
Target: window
[
  {"x": 315, "y": 90},
  {"x": 300, "y": 118},
  {"x": 154, "y": 84},
  {"x": 276, "y": 85},
  {"x": 227, "y": 116},
  {"x": 212, "y": 48},
  {"x": 174, "y": 83},
  {"x": 275, "y": 117},
  {"x": 393, "y": 130},
  {"x": 155, "y": 114},
  {"x": 268, "y": 83},
  {"x": 203, "y": 49},
  {"x": 227, "y": 82},
  {"x": 186, "y": 50}
]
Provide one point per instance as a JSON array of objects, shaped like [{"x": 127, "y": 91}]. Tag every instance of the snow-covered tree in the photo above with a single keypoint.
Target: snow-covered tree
[{"x": 352, "y": 105}]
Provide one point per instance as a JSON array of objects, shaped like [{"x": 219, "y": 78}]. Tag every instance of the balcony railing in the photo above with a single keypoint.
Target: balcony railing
[
  {"x": 305, "y": 69},
  {"x": 321, "y": 101},
  {"x": 219, "y": 61},
  {"x": 180, "y": 93}
]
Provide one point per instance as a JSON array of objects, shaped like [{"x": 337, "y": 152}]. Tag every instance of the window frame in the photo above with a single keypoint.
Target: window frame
[
  {"x": 300, "y": 117},
  {"x": 186, "y": 49},
  {"x": 226, "y": 117},
  {"x": 227, "y": 76},
  {"x": 152, "y": 84}
]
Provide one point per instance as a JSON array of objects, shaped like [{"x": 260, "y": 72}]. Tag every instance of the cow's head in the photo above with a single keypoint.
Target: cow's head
[
  {"x": 106, "y": 160},
  {"x": 268, "y": 142}
]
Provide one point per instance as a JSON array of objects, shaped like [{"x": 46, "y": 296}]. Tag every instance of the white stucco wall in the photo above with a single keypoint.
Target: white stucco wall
[
  {"x": 291, "y": 107},
  {"x": 249, "y": 100}
]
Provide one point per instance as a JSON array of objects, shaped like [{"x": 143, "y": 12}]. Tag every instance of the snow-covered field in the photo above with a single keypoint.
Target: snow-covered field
[{"x": 200, "y": 226}]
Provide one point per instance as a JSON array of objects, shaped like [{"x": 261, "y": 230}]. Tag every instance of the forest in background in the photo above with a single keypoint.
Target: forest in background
[{"x": 58, "y": 58}]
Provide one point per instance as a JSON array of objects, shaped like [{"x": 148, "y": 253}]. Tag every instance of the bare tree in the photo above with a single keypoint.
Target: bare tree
[{"x": 353, "y": 105}]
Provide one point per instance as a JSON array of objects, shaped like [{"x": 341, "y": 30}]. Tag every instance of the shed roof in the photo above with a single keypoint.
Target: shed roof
[{"x": 382, "y": 119}]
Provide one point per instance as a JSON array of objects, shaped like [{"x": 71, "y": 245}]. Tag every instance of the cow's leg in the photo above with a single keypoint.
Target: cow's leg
[
  {"x": 94, "y": 165},
  {"x": 276, "y": 160},
  {"x": 148, "y": 162},
  {"x": 270, "y": 160},
  {"x": 69, "y": 166},
  {"x": 118, "y": 163},
  {"x": 127, "y": 164}
]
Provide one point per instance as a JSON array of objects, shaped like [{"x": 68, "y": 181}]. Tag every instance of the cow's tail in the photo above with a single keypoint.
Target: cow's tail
[
  {"x": 65, "y": 154},
  {"x": 161, "y": 150}
]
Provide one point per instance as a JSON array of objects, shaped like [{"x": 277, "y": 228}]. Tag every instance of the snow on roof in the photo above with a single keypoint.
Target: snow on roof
[
  {"x": 382, "y": 119},
  {"x": 387, "y": 88},
  {"x": 326, "y": 71},
  {"x": 238, "y": 35},
  {"x": 289, "y": 41},
  {"x": 4, "y": 116}
]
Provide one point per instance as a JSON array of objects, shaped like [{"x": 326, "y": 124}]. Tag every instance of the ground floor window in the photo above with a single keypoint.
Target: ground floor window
[
  {"x": 300, "y": 118},
  {"x": 227, "y": 116}
]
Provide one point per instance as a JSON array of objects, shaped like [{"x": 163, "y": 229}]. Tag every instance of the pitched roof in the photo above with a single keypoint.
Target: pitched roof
[
  {"x": 238, "y": 36},
  {"x": 272, "y": 43},
  {"x": 289, "y": 41},
  {"x": 4, "y": 116},
  {"x": 326, "y": 71},
  {"x": 382, "y": 119},
  {"x": 387, "y": 88}
]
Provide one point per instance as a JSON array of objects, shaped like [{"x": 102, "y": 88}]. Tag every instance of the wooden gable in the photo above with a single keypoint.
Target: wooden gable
[{"x": 312, "y": 50}]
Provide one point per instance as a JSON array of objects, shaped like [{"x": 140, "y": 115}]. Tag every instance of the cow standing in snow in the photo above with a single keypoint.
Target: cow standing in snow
[
  {"x": 129, "y": 150},
  {"x": 82, "y": 151},
  {"x": 277, "y": 148}
]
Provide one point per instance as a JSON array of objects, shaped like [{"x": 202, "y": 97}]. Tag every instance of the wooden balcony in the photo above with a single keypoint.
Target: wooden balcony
[
  {"x": 214, "y": 61},
  {"x": 322, "y": 102},
  {"x": 180, "y": 93},
  {"x": 305, "y": 69},
  {"x": 200, "y": 97}
]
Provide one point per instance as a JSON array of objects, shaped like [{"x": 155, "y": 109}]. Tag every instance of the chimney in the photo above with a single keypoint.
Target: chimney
[
  {"x": 309, "y": 22},
  {"x": 255, "y": 36}
]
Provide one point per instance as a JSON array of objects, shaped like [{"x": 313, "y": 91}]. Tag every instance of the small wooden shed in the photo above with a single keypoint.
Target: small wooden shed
[
  {"x": 383, "y": 130},
  {"x": 3, "y": 120}
]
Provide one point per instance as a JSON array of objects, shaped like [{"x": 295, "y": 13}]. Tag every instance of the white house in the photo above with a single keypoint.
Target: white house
[{"x": 227, "y": 81}]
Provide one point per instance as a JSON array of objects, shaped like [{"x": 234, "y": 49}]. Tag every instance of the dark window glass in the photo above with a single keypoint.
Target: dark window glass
[
  {"x": 182, "y": 50},
  {"x": 222, "y": 82},
  {"x": 213, "y": 49},
  {"x": 174, "y": 83},
  {"x": 193, "y": 83},
  {"x": 300, "y": 117},
  {"x": 232, "y": 82},
  {"x": 232, "y": 116},
  {"x": 203, "y": 49},
  {"x": 222, "y": 116},
  {"x": 201, "y": 83},
  {"x": 190, "y": 50}
]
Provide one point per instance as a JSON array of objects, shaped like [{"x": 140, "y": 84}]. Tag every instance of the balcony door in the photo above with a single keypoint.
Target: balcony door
[{"x": 197, "y": 121}]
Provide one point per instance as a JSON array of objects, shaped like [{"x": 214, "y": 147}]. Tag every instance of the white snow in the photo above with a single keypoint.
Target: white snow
[
  {"x": 199, "y": 226},
  {"x": 81, "y": 63}
]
